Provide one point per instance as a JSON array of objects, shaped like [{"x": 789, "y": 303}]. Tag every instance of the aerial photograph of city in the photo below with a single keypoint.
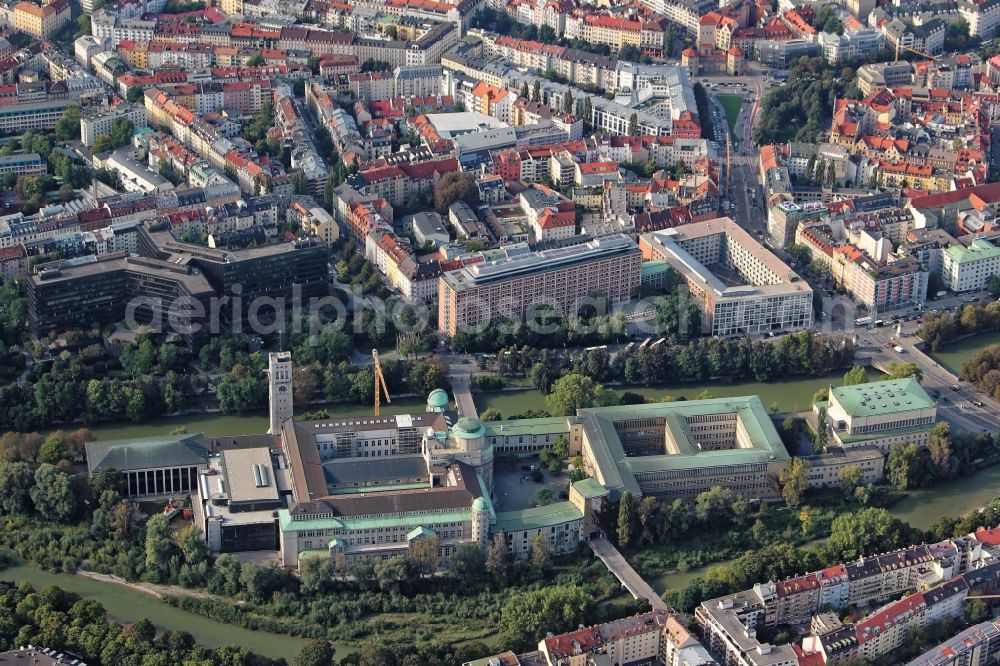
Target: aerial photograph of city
[{"x": 499, "y": 332}]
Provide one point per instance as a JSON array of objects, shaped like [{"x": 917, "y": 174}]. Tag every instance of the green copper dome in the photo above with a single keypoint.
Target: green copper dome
[
  {"x": 438, "y": 398},
  {"x": 468, "y": 427},
  {"x": 479, "y": 505}
]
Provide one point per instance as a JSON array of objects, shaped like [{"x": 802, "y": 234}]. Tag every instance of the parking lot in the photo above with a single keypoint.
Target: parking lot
[{"x": 513, "y": 489}]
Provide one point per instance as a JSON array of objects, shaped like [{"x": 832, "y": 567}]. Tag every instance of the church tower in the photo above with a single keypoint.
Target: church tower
[{"x": 279, "y": 389}]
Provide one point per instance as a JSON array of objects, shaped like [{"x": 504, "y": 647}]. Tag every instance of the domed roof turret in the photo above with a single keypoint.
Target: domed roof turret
[
  {"x": 438, "y": 399},
  {"x": 480, "y": 505},
  {"x": 468, "y": 427}
]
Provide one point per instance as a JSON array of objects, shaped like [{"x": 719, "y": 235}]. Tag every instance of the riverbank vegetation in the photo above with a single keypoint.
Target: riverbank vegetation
[
  {"x": 64, "y": 622},
  {"x": 983, "y": 370},
  {"x": 939, "y": 329}
]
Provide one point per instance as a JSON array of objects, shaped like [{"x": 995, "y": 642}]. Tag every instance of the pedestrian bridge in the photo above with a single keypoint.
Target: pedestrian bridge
[{"x": 626, "y": 575}]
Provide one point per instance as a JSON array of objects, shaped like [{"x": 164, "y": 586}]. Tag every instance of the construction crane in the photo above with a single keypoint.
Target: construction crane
[
  {"x": 379, "y": 383},
  {"x": 900, "y": 47}
]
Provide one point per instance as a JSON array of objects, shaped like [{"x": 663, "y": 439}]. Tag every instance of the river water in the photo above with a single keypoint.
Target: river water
[{"x": 953, "y": 355}]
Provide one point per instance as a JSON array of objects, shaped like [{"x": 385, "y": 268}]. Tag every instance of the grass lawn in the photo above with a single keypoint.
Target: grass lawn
[{"x": 732, "y": 104}]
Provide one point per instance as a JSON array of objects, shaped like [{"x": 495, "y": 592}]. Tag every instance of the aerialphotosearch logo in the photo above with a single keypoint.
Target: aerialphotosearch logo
[{"x": 351, "y": 310}]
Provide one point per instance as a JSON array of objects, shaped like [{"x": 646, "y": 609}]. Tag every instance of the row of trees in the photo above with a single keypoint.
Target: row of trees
[
  {"x": 700, "y": 359},
  {"x": 851, "y": 534}
]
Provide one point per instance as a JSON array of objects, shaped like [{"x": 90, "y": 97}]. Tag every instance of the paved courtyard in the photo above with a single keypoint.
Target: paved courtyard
[{"x": 514, "y": 492}]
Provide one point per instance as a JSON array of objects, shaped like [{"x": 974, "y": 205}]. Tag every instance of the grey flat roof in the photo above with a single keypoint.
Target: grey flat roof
[{"x": 367, "y": 470}]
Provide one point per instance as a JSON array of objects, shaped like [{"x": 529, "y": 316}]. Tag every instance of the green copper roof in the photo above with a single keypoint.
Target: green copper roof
[
  {"x": 654, "y": 267},
  {"x": 420, "y": 532},
  {"x": 480, "y": 505},
  {"x": 886, "y": 397},
  {"x": 286, "y": 524},
  {"x": 314, "y": 554},
  {"x": 617, "y": 471},
  {"x": 538, "y": 517},
  {"x": 590, "y": 488},
  {"x": 978, "y": 250},
  {"x": 438, "y": 398},
  {"x": 146, "y": 453},
  {"x": 468, "y": 427},
  {"x": 550, "y": 425}
]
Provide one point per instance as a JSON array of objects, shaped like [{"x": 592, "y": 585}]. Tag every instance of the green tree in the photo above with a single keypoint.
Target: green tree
[
  {"x": 794, "y": 478},
  {"x": 542, "y": 496},
  {"x": 455, "y": 186},
  {"x": 16, "y": 482},
  {"x": 626, "y": 519},
  {"x": 575, "y": 391},
  {"x": 871, "y": 530},
  {"x": 939, "y": 448},
  {"x": 53, "y": 494},
  {"x": 490, "y": 414},
  {"x": 904, "y": 370},
  {"x": 633, "y": 125},
  {"x": 159, "y": 549},
  {"x": 497, "y": 557},
  {"x": 902, "y": 466},
  {"x": 68, "y": 125},
  {"x": 855, "y": 375},
  {"x": 52, "y": 450},
  {"x": 528, "y": 615},
  {"x": 849, "y": 479},
  {"x": 714, "y": 505},
  {"x": 540, "y": 551},
  {"x": 317, "y": 652}
]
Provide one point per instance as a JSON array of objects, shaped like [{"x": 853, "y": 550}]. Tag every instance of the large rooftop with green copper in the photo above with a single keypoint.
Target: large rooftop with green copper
[
  {"x": 146, "y": 453},
  {"x": 649, "y": 441},
  {"x": 880, "y": 398},
  {"x": 438, "y": 398},
  {"x": 468, "y": 427}
]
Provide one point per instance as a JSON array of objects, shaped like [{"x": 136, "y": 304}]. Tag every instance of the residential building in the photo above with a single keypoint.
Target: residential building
[
  {"x": 95, "y": 121},
  {"x": 969, "y": 268},
  {"x": 43, "y": 21},
  {"x": 24, "y": 164}
]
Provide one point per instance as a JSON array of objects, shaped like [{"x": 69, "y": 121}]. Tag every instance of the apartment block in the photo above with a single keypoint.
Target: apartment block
[{"x": 969, "y": 268}]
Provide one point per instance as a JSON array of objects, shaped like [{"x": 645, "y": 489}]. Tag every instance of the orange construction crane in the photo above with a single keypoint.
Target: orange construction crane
[
  {"x": 900, "y": 47},
  {"x": 379, "y": 383}
]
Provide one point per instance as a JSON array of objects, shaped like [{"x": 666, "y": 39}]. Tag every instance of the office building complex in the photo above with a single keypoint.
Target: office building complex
[
  {"x": 509, "y": 287},
  {"x": 166, "y": 275},
  {"x": 102, "y": 290},
  {"x": 739, "y": 285}
]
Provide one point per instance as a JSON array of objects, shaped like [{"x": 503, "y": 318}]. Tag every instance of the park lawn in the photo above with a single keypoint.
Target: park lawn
[{"x": 732, "y": 104}]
